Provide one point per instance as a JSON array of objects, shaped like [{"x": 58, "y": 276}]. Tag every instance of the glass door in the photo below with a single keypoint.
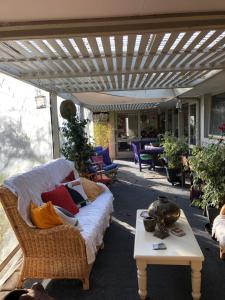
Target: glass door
[
  {"x": 190, "y": 123},
  {"x": 127, "y": 130}
]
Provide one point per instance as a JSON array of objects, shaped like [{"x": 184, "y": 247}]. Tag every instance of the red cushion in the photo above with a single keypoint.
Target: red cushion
[
  {"x": 61, "y": 197},
  {"x": 69, "y": 177}
]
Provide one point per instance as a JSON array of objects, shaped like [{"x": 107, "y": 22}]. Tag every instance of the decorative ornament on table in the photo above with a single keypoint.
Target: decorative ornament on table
[{"x": 166, "y": 213}]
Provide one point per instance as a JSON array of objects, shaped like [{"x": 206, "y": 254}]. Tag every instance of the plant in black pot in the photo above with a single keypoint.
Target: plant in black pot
[
  {"x": 209, "y": 165},
  {"x": 173, "y": 149}
]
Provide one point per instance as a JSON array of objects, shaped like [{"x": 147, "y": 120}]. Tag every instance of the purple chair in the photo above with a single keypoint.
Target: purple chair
[{"x": 142, "y": 158}]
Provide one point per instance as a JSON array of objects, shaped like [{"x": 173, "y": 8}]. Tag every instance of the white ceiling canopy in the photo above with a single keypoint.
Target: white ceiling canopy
[{"x": 120, "y": 54}]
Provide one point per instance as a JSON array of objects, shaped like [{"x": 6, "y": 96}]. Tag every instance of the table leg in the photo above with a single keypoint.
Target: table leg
[
  {"x": 196, "y": 267},
  {"x": 142, "y": 279}
]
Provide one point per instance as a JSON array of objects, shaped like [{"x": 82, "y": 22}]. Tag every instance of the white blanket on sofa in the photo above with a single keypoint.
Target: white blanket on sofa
[
  {"x": 218, "y": 229},
  {"x": 30, "y": 185},
  {"x": 93, "y": 220}
]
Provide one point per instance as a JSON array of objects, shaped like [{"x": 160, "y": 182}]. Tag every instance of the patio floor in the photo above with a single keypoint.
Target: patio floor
[{"x": 114, "y": 274}]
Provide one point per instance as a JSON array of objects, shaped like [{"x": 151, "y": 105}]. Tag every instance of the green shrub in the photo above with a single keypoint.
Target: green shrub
[
  {"x": 173, "y": 149},
  {"x": 208, "y": 163}
]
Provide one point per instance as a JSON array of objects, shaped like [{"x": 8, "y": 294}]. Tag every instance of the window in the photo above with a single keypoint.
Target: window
[{"x": 217, "y": 113}]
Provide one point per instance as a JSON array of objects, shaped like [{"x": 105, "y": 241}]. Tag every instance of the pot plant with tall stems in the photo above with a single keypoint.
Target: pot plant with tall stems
[
  {"x": 173, "y": 149},
  {"x": 76, "y": 146},
  {"x": 208, "y": 164}
]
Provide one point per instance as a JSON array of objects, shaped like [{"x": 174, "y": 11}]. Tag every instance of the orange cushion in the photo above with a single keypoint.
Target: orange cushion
[
  {"x": 44, "y": 216},
  {"x": 91, "y": 188}
]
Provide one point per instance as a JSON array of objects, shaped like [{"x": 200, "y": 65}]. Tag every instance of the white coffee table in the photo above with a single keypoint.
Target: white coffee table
[{"x": 180, "y": 251}]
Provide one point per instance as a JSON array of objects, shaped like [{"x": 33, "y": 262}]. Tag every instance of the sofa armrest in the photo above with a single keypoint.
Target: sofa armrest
[{"x": 62, "y": 240}]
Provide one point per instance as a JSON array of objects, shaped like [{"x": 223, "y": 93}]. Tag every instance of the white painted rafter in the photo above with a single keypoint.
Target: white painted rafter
[{"x": 122, "y": 60}]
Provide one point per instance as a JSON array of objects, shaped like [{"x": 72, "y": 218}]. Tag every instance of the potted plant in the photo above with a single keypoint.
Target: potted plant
[
  {"x": 208, "y": 164},
  {"x": 173, "y": 149},
  {"x": 76, "y": 146}
]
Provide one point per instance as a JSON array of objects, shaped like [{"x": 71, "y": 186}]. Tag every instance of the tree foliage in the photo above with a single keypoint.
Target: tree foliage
[
  {"x": 208, "y": 163},
  {"x": 76, "y": 146},
  {"x": 173, "y": 149}
]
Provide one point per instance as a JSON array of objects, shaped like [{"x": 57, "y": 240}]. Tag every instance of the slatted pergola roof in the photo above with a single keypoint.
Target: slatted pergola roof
[{"x": 108, "y": 61}]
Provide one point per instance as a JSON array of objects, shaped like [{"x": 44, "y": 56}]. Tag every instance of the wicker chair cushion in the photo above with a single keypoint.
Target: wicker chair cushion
[
  {"x": 44, "y": 216},
  {"x": 145, "y": 156},
  {"x": 61, "y": 197}
]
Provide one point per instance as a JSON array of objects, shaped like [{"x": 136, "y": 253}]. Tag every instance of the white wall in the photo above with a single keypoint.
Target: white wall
[{"x": 25, "y": 132}]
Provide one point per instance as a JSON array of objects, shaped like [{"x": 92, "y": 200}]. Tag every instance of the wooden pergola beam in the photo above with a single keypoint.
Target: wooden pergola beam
[
  {"x": 99, "y": 57},
  {"x": 115, "y": 26},
  {"x": 42, "y": 76}
]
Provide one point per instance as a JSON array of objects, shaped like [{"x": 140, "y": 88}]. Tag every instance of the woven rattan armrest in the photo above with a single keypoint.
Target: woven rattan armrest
[{"x": 63, "y": 240}]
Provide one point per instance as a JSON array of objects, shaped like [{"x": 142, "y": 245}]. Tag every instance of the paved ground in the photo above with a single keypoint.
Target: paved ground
[{"x": 114, "y": 274}]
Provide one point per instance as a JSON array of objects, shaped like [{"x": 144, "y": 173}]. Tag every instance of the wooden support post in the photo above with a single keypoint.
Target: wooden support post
[{"x": 54, "y": 125}]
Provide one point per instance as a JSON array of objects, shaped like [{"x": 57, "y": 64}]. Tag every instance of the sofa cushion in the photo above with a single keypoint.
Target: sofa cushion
[
  {"x": 65, "y": 216},
  {"x": 91, "y": 188},
  {"x": 69, "y": 177},
  {"x": 64, "y": 211},
  {"x": 44, "y": 216},
  {"x": 77, "y": 198},
  {"x": 61, "y": 197},
  {"x": 77, "y": 186}
]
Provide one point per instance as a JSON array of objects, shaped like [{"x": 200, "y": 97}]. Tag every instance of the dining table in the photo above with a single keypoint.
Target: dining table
[
  {"x": 148, "y": 149},
  {"x": 154, "y": 152}
]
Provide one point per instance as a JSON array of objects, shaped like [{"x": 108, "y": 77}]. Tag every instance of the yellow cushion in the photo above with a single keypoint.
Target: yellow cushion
[
  {"x": 44, "y": 216},
  {"x": 91, "y": 188}
]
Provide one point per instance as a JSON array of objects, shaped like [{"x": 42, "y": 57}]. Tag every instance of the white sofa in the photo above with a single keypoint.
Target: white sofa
[
  {"x": 63, "y": 251},
  {"x": 218, "y": 231}
]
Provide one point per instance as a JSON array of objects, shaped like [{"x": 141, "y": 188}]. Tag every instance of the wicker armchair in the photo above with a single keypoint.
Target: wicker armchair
[{"x": 58, "y": 252}]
